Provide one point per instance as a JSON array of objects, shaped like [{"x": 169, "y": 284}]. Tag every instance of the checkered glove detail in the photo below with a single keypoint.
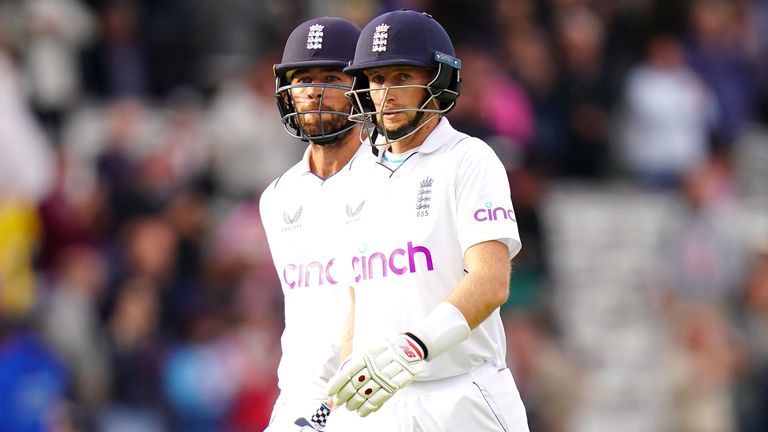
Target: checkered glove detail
[
  {"x": 321, "y": 415},
  {"x": 316, "y": 422},
  {"x": 368, "y": 379}
]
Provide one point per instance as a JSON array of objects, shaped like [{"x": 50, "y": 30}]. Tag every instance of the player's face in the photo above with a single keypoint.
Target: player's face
[
  {"x": 307, "y": 99},
  {"x": 393, "y": 99}
]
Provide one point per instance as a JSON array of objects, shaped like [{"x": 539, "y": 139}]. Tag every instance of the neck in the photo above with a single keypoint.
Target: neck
[
  {"x": 417, "y": 139},
  {"x": 327, "y": 160}
]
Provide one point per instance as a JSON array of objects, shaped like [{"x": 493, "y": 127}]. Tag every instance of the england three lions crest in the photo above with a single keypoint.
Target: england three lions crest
[
  {"x": 315, "y": 37},
  {"x": 424, "y": 197},
  {"x": 379, "y": 42}
]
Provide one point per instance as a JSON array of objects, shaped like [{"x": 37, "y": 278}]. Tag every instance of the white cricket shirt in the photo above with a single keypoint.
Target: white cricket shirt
[
  {"x": 407, "y": 241},
  {"x": 294, "y": 213}
]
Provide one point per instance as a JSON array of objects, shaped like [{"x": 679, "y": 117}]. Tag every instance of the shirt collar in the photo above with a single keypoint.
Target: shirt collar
[
  {"x": 304, "y": 164},
  {"x": 438, "y": 137},
  {"x": 305, "y": 161}
]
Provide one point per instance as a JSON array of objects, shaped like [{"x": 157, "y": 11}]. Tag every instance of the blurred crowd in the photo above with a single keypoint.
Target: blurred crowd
[{"x": 137, "y": 291}]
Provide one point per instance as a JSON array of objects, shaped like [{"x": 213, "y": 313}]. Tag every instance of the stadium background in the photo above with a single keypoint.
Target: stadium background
[{"x": 136, "y": 288}]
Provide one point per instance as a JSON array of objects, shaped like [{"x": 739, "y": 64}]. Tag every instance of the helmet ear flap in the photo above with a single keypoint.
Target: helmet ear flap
[
  {"x": 285, "y": 105},
  {"x": 448, "y": 78},
  {"x": 446, "y": 86}
]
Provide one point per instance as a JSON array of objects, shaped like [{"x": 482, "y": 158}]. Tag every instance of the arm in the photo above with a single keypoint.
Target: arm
[
  {"x": 318, "y": 419},
  {"x": 349, "y": 329},
  {"x": 365, "y": 383},
  {"x": 485, "y": 287},
  {"x": 365, "y": 387}
]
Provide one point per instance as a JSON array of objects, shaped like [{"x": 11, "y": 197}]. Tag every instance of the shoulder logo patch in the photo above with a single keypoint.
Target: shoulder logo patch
[
  {"x": 354, "y": 212},
  {"x": 292, "y": 220}
]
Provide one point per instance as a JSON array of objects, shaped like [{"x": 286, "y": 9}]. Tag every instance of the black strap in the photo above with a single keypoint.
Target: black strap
[{"x": 418, "y": 341}]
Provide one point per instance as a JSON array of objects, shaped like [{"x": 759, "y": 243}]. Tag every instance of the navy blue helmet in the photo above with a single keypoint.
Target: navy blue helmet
[
  {"x": 320, "y": 42},
  {"x": 405, "y": 38}
]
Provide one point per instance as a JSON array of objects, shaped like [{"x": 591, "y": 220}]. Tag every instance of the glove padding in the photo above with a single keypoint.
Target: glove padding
[{"x": 368, "y": 379}]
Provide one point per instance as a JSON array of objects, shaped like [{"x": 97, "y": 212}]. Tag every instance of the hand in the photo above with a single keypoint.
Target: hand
[{"x": 368, "y": 379}]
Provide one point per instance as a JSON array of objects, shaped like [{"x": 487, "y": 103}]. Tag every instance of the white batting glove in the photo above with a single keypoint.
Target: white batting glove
[{"x": 368, "y": 379}]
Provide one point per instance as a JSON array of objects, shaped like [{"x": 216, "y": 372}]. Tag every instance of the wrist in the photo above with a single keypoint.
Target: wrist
[{"x": 444, "y": 328}]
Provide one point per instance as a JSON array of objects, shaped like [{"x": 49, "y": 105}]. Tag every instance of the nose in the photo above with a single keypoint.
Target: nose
[
  {"x": 314, "y": 92},
  {"x": 389, "y": 94},
  {"x": 386, "y": 92}
]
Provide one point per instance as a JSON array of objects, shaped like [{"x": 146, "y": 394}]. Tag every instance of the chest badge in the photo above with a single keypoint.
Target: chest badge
[{"x": 424, "y": 197}]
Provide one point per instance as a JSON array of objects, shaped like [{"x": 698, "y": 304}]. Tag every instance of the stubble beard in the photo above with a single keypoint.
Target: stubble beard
[
  {"x": 395, "y": 130},
  {"x": 316, "y": 124}
]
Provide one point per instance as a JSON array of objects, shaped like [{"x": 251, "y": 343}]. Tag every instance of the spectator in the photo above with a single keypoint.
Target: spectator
[
  {"x": 716, "y": 52},
  {"x": 32, "y": 383},
  {"x": 137, "y": 351},
  {"x": 58, "y": 31},
  {"x": 705, "y": 244},
  {"x": 25, "y": 175},
  {"x": 752, "y": 401},
  {"x": 250, "y": 148},
  {"x": 531, "y": 60},
  {"x": 668, "y": 116},
  {"x": 550, "y": 382},
  {"x": 499, "y": 112},
  {"x": 73, "y": 215},
  {"x": 197, "y": 382},
  {"x": 26, "y": 162},
  {"x": 587, "y": 98},
  {"x": 116, "y": 65},
  {"x": 72, "y": 323},
  {"x": 701, "y": 370}
]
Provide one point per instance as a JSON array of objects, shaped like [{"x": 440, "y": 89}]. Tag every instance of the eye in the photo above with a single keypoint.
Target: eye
[
  {"x": 405, "y": 76},
  {"x": 332, "y": 78},
  {"x": 377, "y": 79},
  {"x": 306, "y": 79}
]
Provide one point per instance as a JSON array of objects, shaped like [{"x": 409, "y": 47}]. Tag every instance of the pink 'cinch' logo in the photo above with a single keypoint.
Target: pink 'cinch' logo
[
  {"x": 305, "y": 275},
  {"x": 491, "y": 214},
  {"x": 364, "y": 266},
  {"x": 397, "y": 262}
]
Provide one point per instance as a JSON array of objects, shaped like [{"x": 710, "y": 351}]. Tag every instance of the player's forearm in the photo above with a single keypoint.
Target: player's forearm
[
  {"x": 486, "y": 285},
  {"x": 346, "y": 339},
  {"x": 478, "y": 295}
]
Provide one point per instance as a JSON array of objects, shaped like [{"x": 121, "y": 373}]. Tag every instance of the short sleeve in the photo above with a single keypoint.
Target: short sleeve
[{"x": 483, "y": 204}]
